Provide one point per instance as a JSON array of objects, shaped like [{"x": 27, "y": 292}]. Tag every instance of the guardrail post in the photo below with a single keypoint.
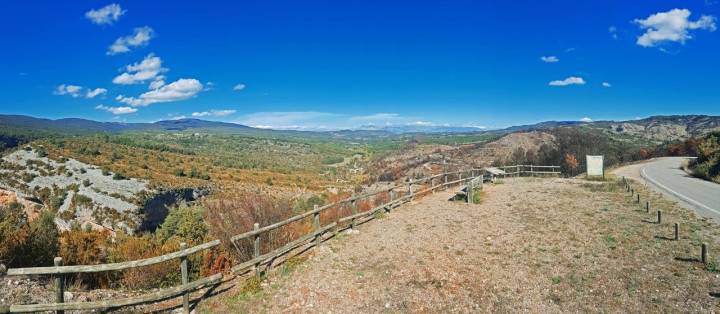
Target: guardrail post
[
  {"x": 256, "y": 250},
  {"x": 532, "y": 171},
  {"x": 316, "y": 225},
  {"x": 59, "y": 284},
  {"x": 185, "y": 279}
]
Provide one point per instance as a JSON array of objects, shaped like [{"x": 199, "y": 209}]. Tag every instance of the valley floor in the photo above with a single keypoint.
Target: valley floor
[{"x": 532, "y": 245}]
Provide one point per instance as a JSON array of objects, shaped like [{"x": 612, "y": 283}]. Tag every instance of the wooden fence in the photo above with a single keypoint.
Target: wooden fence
[
  {"x": 398, "y": 194},
  {"x": 532, "y": 170}
]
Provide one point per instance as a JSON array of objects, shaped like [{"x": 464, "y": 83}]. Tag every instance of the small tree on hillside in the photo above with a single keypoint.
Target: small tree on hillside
[{"x": 571, "y": 163}]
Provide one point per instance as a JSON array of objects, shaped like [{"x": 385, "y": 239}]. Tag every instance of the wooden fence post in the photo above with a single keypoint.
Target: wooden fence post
[
  {"x": 353, "y": 207},
  {"x": 469, "y": 193},
  {"x": 432, "y": 185},
  {"x": 703, "y": 253},
  {"x": 316, "y": 226},
  {"x": 256, "y": 249},
  {"x": 659, "y": 217},
  {"x": 392, "y": 198},
  {"x": 445, "y": 182},
  {"x": 677, "y": 231},
  {"x": 638, "y": 198},
  {"x": 185, "y": 279},
  {"x": 59, "y": 284},
  {"x": 410, "y": 191},
  {"x": 647, "y": 206}
]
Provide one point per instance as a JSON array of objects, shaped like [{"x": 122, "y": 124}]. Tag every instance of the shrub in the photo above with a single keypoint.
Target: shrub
[
  {"x": 185, "y": 224},
  {"x": 85, "y": 247},
  {"x": 118, "y": 176}
]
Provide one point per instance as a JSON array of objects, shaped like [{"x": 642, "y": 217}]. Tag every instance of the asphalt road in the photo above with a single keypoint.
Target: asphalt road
[{"x": 665, "y": 174}]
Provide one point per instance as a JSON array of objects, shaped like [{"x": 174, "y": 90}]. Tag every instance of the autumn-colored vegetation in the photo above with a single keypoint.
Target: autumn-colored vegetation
[{"x": 707, "y": 165}]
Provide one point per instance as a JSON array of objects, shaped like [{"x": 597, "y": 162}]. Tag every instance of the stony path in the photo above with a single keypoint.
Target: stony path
[{"x": 531, "y": 246}]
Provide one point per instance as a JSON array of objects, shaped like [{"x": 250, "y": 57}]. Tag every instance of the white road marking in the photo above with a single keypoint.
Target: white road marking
[{"x": 681, "y": 196}]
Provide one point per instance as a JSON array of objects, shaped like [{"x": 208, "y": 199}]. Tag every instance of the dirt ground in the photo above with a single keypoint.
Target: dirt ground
[{"x": 532, "y": 245}]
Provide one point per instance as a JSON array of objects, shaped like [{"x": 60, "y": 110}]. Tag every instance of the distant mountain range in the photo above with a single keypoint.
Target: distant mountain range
[{"x": 655, "y": 127}]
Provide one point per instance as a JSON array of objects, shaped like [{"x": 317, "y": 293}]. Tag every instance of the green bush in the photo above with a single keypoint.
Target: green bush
[{"x": 185, "y": 224}]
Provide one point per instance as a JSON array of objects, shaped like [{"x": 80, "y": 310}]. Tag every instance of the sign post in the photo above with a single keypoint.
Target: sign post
[{"x": 595, "y": 166}]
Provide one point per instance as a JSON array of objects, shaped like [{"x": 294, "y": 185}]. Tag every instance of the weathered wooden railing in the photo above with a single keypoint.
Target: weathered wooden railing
[
  {"x": 59, "y": 272},
  {"x": 532, "y": 170},
  {"x": 398, "y": 194}
]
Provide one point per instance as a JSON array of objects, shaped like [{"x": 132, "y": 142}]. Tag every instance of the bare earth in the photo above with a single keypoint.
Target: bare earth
[{"x": 533, "y": 245}]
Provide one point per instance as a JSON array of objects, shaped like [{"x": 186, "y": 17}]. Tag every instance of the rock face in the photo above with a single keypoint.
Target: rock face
[
  {"x": 666, "y": 128},
  {"x": 85, "y": 194}
]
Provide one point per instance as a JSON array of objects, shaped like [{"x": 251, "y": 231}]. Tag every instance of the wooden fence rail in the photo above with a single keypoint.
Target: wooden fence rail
[{"x": 471, "y": 177}]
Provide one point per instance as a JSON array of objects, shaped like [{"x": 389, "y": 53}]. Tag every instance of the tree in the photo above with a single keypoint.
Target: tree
[{"x": 571, "y": 163}]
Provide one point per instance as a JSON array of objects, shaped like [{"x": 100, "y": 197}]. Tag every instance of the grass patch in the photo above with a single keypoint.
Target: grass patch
[{"x": 610, "y": 241}]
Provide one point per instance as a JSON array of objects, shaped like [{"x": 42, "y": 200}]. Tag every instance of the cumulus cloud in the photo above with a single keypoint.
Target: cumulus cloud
[
  {"x": 106, "y": 15},
  {"x": 214, "y": 113},
  {"x": 179, "y": 90},
  {"x": 67, "y": 89},
  {"x": 549, "y": 59},
  {"x": 140, "y": 37},
  {"x": 586, "y": 119},
  {"x": 92, "y": 93},
  {"x": 671, "y": 26},
  {"x": 116, "y": 110},
  {"x": 606, "y": 84},
  {"x": 239, "y": 87},
  {"x": 140, "y": 72},
  {"x": 572, "y": 80}
]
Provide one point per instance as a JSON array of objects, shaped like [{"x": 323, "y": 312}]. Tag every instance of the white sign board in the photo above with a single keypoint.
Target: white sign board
[{"x": 595, "y": 166}]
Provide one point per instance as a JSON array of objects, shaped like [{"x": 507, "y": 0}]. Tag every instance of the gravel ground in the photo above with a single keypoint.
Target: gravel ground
[{"x": 533, "y": 245}]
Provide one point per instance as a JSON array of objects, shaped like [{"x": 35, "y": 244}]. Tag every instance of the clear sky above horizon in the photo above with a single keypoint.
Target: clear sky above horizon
[{"x": 337, "y": 64}]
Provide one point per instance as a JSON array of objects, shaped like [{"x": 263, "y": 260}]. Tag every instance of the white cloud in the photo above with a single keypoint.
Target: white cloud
[
  {"x": 140, "y": 37},
  {"x": 178, "y": 117},
  {"x": 239, "y": 87},
  {"x": 106, "y": 15},
  {"x": 288, "y": 120},
  {"x": 671, "y": 26},
  {"x": 613, "y": 32},
  {"x": 179, "y": 90},
  {"x": 92, "y": 93},
  {"x": 214, "y": 113},
  {"x": 549, "y": 59},
  {"x": 116, "y": 110},
  {"x": 586, "y": 119},
  {"x": 572, "y": 80},
  {"x": 67, "y": 89},
  {"x": 157, "y": 83},
  {"x": 140, "y": 72},
  {"x": 606, "y": 84}
]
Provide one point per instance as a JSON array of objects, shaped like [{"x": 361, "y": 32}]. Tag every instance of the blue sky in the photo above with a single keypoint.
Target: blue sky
[{"x": 336, "y": 64}]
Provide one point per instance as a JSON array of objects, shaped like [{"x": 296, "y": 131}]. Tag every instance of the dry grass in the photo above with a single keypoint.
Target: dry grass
[{"x": 553, "y": 245}]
